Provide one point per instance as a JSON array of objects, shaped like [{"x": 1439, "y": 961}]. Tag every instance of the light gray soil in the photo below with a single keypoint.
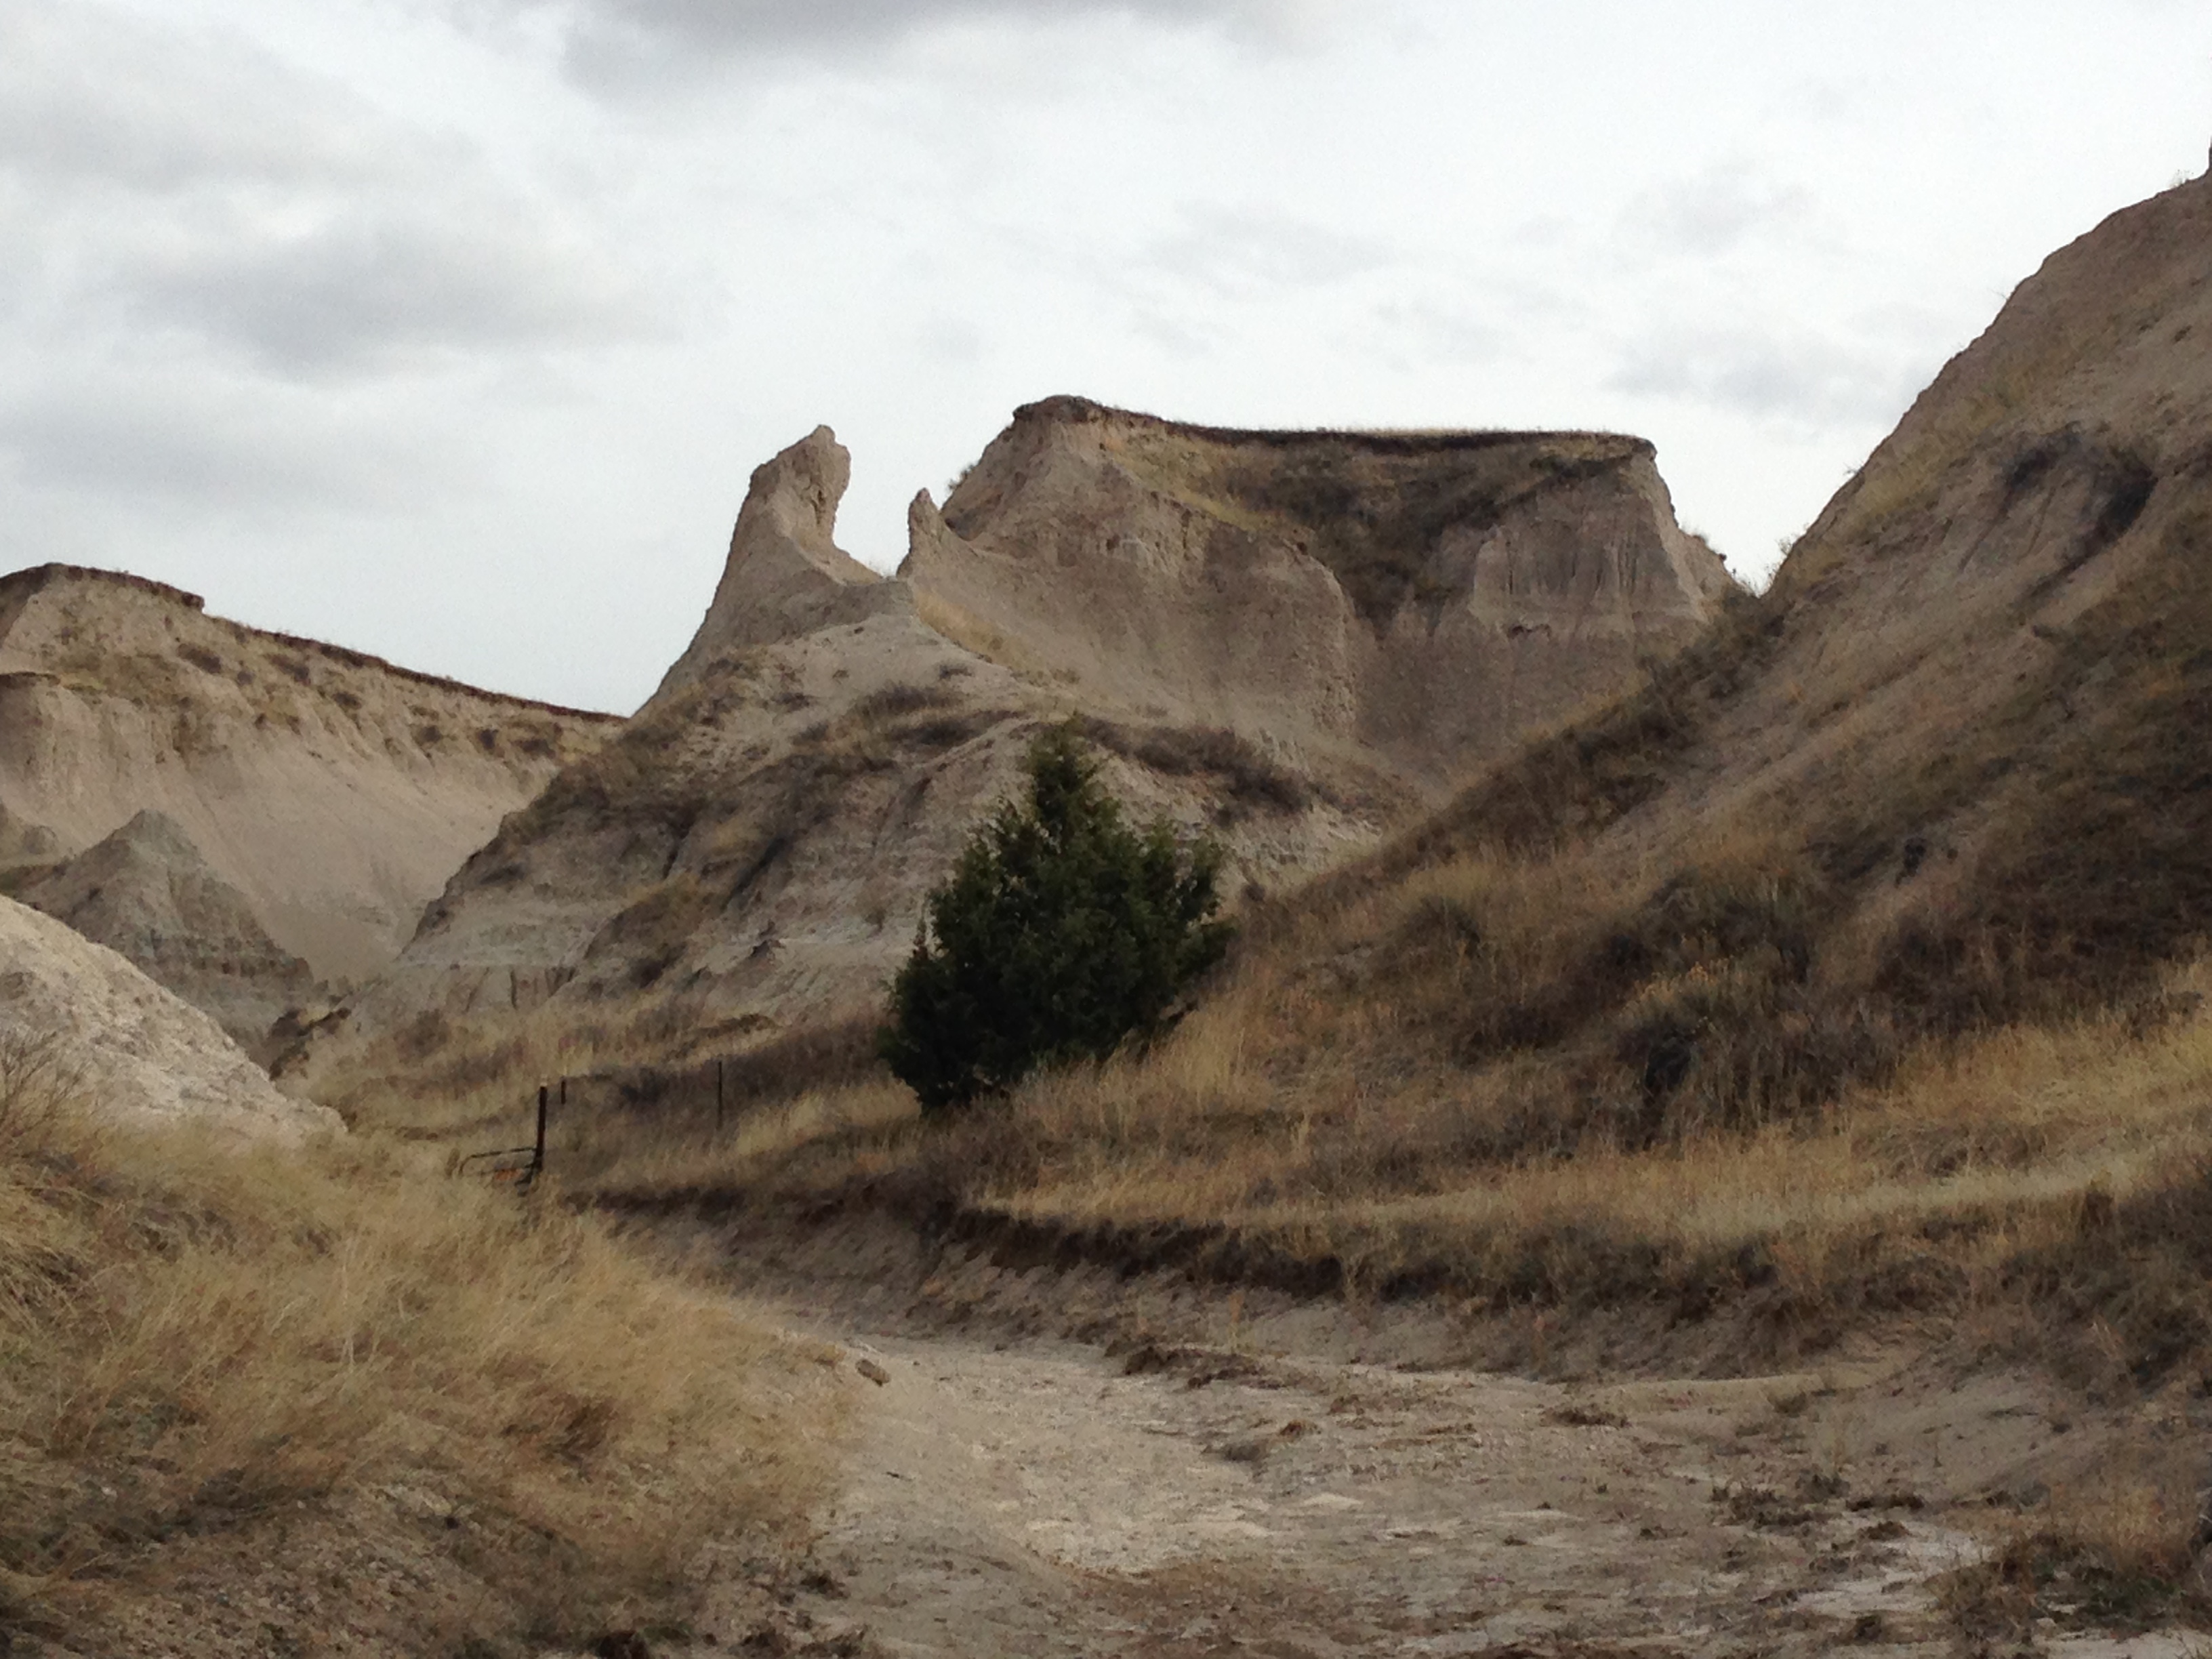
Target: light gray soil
[{"x": 1040, "y": 1497}]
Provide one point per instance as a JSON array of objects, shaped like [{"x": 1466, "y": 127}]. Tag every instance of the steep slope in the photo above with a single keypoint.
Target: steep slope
[
  {"x": 336, "y": 791},
  {"x": 131, "y": 1049},
  {"x": 146, "y": 893},
  {"x": 752, "y": 853},
  {"x": 1978, "y": 679},
  {"x": 1427, "y": 598},
  {"x": 1855, "y": 963},
  {"x": 1947, "y": 773},
  {"x": 753, "y": 849}
]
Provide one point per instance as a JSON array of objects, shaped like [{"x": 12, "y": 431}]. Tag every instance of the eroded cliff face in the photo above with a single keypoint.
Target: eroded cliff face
[
  {"x": 1942, "y": 792},
  {"x": 334, "y": 792},
  {"x": 1426, "y": 599},
  {"x": 147, "y": 894},
  {"x": 753, "y": 852}
]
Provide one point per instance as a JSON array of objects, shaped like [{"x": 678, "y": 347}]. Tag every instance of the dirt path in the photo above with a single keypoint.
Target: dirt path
[{"x": 1042, "y": 1497}]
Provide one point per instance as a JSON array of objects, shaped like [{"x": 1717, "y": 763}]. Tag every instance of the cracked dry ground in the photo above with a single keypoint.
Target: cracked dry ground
[{"x": 1039, "y": 1497}]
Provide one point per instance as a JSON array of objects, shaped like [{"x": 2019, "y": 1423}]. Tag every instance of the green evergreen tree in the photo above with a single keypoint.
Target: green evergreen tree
[{"x": 1062, "y": 934}]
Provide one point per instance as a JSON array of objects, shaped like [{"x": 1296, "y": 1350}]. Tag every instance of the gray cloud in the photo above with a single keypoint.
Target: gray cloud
[
  {"x": 1807, "y": 380},
  {"x": 179, "y": 184},
  {"x": 1717, "y": 211},
  {"x": 380, "y": 292},
  {"x": 613, "y": 44},
  {"x": 1237, "y": 250},
  {"x": 92, "y": 97},
  {"x": 119, "y": 437},
  {"x": 1423, "y": 330}
]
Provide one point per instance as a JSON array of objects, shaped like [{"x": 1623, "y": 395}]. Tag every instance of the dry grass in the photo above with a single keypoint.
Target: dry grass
[
  {"x": 1515, "y": 1058},
  {"x": 198, "y": 1342},
  {"x": 2058, "y": 1177},
  {"x": 868, "y": 1128},
  {"x": 1974, "y": 1162},
  {"x": 2120, "y": 1554},
  {"x": 442, "y": 1077}
]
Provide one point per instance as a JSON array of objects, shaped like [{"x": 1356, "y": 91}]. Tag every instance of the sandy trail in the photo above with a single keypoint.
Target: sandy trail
[{"x": 1040, "y": 1497}]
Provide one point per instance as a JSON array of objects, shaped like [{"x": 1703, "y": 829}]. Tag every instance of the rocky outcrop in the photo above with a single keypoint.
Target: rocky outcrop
[
  {"x": 82, "y": 1018},
  {"x": 1290, "y": 661},
  {"x": 335, "y": 791},
  {"x": 785, "y": 576},
  {"x": 147, "y": 894},
  {"x": 1429, "y": 598}
]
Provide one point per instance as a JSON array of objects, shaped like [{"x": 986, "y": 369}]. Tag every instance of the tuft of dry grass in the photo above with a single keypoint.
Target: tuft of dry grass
[
  {"x": 2120, "y": 1555},
  {"x": 200, "y": 1342},
  {"x": 865, "y": 1129}
]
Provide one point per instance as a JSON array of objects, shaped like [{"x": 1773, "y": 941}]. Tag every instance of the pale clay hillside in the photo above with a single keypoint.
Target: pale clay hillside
[
  {"x": 147, "y": 893},
  {"x": 77, "y": 1017}
]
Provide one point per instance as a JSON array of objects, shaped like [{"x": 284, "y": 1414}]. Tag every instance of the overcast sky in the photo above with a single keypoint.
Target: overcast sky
[{"x": 450, "y": 329}]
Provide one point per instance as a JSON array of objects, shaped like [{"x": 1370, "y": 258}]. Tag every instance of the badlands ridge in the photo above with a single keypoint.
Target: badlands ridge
[
  {"x": 1288, "y": 639},
  {"x": 1291, "y": 640}
]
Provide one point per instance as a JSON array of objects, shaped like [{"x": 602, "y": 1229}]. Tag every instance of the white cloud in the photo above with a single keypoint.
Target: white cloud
[
  {"x": 92, "y": 97},
  {"x": 170, "y": 438},
  {"x": 1238, "y": 251},
  {"x": 382, "y": 286}
]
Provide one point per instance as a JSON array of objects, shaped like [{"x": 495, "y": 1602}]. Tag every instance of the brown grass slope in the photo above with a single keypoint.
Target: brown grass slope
[
  {"x": 1846, "y": 968},
  {"x": 325, "y": 1400}
]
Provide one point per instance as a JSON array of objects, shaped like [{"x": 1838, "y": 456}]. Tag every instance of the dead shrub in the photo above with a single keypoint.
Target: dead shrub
[
  {"x": 39, "y": 1087},
  {"x": 1735, "y": 1048},
  {"x": 423, "y": 1036},
  {"x": 951, "y": 731}
]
